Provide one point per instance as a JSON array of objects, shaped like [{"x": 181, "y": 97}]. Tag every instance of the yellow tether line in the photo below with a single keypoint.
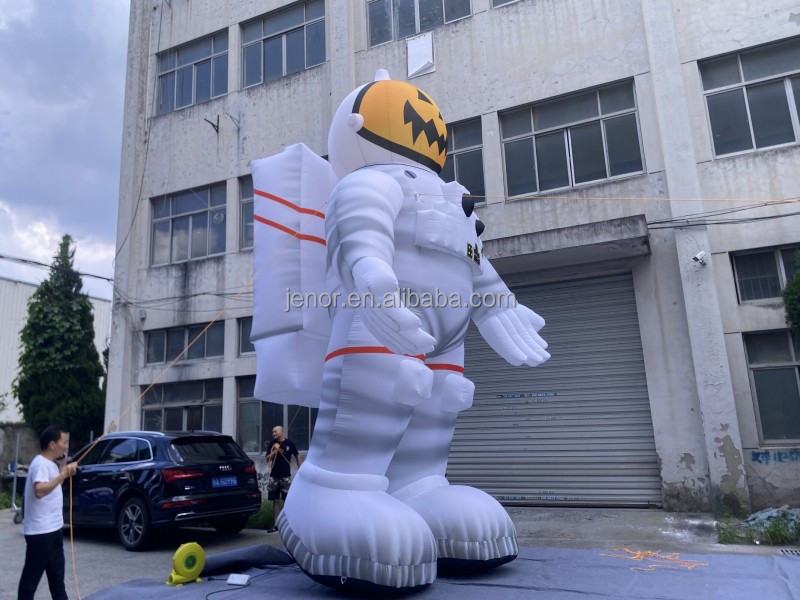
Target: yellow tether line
[{"x": 112, "y": 425}]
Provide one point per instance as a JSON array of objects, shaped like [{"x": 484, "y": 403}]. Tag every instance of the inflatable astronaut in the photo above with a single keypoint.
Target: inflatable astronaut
[{"x": 370, "y": 506}]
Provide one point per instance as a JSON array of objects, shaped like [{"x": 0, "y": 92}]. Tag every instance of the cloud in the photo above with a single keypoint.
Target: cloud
[
  {"x": 36, "y": 237},
  {"x": 62, "y": 64},
  {"x": 12, "y": 11}
]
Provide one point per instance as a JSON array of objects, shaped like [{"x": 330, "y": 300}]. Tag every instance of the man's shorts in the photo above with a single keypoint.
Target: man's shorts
[{"x": 278, "y": 487}]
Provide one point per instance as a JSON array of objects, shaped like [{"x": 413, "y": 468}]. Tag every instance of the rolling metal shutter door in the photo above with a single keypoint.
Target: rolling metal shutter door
[{"x": 576, "y": 430}]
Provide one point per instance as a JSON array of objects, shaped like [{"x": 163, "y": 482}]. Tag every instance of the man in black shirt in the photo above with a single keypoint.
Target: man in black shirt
[{"x": 279, "y": 455}]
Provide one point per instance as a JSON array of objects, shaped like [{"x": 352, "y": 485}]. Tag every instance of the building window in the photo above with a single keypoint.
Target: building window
[
  {"x": 257, "y": 418},
  {"x": 465, "y": 157},
  {"x": 774, "y": 362},
  {"x": 502, "y": 2},
  {"x": 283, "y": 42},
  {"x": 753, "y": 97},
  {"x": 246, "y": 211},
  {"x": 586, "y": 137},
  {"x": 764, "y": 273},
  {"x": 245, "y": 345},
  {"x": 164, "y": 345},
  {"x": 396, "y": 19},
  {"x": 184, "y": 406},
  {"x": 188, "y": 225},
  {"x": 193, "y": 73}
]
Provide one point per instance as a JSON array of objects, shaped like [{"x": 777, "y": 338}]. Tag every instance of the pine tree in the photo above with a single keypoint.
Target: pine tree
[{"x": 58, "y": 381}]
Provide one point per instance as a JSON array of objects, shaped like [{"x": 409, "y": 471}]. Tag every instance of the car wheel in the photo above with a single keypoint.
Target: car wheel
[
  {"x": 133, "y": 524},
  {"x": 230, "y": 525}
]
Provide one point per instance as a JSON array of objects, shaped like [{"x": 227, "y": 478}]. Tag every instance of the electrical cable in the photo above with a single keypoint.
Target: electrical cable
[
  {"x": 706, "y": 223},
  {"x": 40, "y": 265}
]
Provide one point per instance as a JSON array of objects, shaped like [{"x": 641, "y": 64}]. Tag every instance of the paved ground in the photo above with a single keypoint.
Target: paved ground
[
  {"x": 100, "y": 561},
  {"x": 613, "y": 528}
]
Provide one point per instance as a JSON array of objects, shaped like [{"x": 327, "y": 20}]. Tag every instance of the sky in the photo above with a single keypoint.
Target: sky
[{"x": 62, "y": 78}]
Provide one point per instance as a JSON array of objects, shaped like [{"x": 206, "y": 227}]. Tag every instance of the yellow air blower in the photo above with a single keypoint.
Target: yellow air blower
[{"x": 187, "y": 564}]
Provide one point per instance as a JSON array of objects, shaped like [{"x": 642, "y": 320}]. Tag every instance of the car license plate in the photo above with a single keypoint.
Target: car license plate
[{"x": 219, "y": 482}]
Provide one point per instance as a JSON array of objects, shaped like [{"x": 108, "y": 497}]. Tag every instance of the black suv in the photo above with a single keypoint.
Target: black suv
[{"x": 140, "y": 480}]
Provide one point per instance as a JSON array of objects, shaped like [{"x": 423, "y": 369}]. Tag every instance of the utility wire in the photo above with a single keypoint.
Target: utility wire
[
  {"x": 721, "y": 211},
  {"x": 34, "y": 263},
  {"x": 704, "y": 222}
]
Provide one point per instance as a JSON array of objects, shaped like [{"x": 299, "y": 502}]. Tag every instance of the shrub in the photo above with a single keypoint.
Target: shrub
[
  {"x": 791, "y": 298},
  {"x": 779, "y": 532},
  {"x": 263, "y": 518}
]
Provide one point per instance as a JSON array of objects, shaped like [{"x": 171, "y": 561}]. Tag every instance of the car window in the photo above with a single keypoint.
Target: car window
[
  {"x": 190, "y": 450},
  {"x": 143, "y": 450},
  {"x": 127, "y": 450},
  {"x": 93, "y": 456}
]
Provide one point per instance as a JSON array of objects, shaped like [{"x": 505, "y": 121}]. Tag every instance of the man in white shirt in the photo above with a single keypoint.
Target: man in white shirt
[{"x": 44, "y": 516}]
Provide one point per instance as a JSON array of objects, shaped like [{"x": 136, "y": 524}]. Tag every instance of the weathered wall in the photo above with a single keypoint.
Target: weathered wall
[
  {"x": 28, "y": 446},
  {"x": 516, "y": 54},
  {"x": 710, "y": 29}
]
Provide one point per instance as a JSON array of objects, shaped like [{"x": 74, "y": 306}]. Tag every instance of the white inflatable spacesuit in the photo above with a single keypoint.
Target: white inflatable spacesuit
[{"x": 370, "y": 507}]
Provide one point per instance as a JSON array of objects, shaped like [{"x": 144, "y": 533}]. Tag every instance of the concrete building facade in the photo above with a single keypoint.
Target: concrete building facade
[
  {"x": 14, "y": 296},
  {"x": 637, "y": 163}
]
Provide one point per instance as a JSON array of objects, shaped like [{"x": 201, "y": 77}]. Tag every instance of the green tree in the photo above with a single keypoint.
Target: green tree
[
  {"x": 791, "y": 298},
  {"x": 58, "y": 381}
]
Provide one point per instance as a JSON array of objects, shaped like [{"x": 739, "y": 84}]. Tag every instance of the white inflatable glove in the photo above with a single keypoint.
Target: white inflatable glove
[
  {"x": 395, "y": 326},
  {"x": 512, "y": 333}
]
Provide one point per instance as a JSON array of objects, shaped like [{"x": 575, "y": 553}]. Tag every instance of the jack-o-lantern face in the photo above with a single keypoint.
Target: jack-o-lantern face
[{"x": 403, "y": 119}]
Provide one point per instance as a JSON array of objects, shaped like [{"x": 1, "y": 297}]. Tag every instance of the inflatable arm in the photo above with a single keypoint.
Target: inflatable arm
[
  {"x": 509, "y": 328},
  {"x": 359, "y": 230}
]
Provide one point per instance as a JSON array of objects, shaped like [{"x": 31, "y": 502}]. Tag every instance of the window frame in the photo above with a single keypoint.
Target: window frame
[
  {"x": 394, "y": 34},
  {"x": 745, "y": 84},
  {"x": 243, "y": 224},
  {"x": 171, "y": 218},
  {"x": 452, "y": 152},
  {"x": 186, "y": 339},
  {"x": 776, "y": 252},
  {"x": 565, "y": 128},
  {"x": 287, "y": 419},
  {"x": 795, "y": 363},
  {"x": 165, "y": 404},
  {"x": 282, "y": 34},
  {"x": 175, "y": 68},
  {"x": 240, "y": 331}
]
